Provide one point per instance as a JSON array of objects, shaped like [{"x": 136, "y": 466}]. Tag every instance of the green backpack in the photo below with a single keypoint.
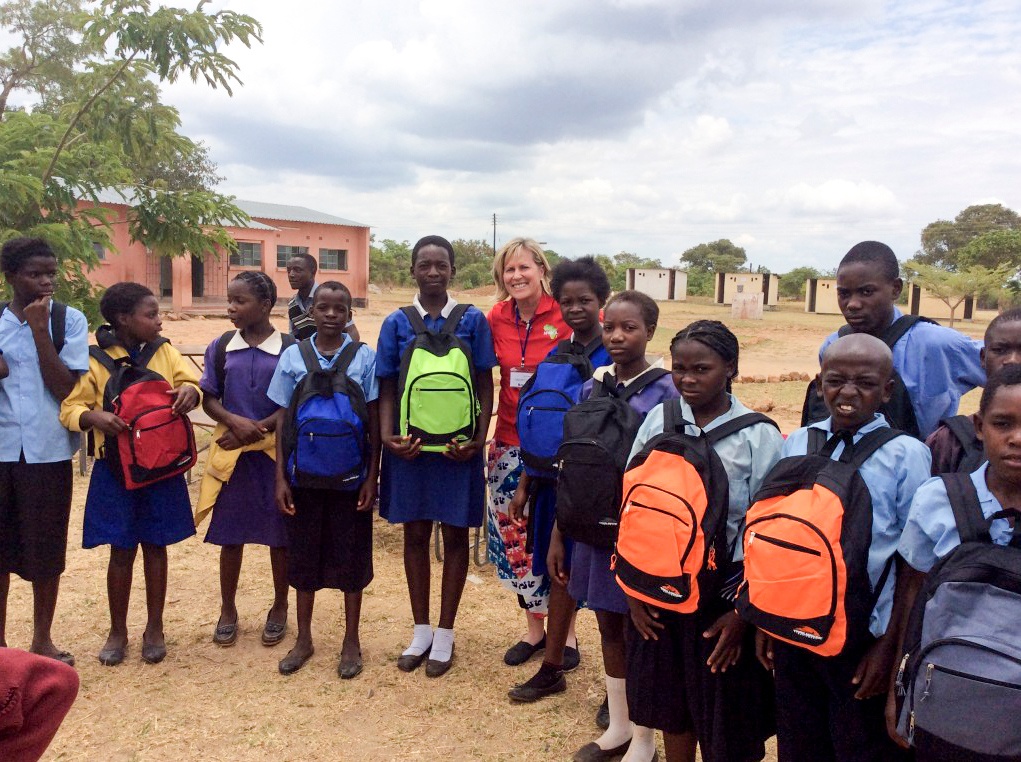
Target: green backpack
[{"x": 436, "y": 387}]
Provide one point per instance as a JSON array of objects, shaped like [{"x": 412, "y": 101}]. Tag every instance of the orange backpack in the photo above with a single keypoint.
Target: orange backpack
[
  {"x": 806, "y": 547},
  {"x": 673, "y": 519}
]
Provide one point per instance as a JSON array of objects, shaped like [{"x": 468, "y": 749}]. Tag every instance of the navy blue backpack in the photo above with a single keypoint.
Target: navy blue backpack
[
  {"x": 553, "y": 389},
  {"x": 325, "y": 437}
]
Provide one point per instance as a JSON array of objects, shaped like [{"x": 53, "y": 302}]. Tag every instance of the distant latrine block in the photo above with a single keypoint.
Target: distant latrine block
[
  {"x": 921, "y": 302},
  {"x": 662, "y": 284},
  {"x": 821, "y": 296},
  {"x": 729, "y": 285}
]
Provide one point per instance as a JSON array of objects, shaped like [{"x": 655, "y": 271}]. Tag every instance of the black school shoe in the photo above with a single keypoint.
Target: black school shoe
[
  {"x": 572, "y": 658},
  {"x": 545, "y": 682},
  {"x": 522, "y": 651},
  {"x": 603, "y": 714}
]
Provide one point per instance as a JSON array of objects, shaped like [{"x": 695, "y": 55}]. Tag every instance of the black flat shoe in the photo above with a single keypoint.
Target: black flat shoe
[
  {"x": 591, "y": 752},
  {"x": 153, "y": 654},
  {"x": 572, "y": 658},
  {"x": 545, "y": 682},
  {"x": 603, "y": 714},
  {"x": 111, "y": 657},
  {"x": 273, "y": 632},
  {"x": 434, "y": 668},
  {"x": 409, "y": 663},
  {"x": 226, "y": 635},
  {"x": 292, "y": 663},
  {"x": 348, "y": 669},
  {"x": 522, "y": 651}
]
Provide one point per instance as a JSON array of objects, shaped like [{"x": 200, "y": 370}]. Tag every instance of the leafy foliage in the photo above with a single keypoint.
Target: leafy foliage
[
  {"x": 97, "y": 124},
  {"x": 720, "y": 256},
  {"x": 986, "y": 234},
  {"x": 953, "y": 287},
  {"x": 792, "y": 285}
]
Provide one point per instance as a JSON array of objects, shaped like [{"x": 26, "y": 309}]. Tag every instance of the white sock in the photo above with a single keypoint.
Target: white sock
[
  {"x": 443, "y": 645},
  {"x": 620, "y": 722},
  {"x": 420, "y": 641},
  {"x": 643, "y": 745}
]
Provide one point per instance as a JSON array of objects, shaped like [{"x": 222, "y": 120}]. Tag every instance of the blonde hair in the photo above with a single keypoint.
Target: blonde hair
[{"x": 508, "y": 250}]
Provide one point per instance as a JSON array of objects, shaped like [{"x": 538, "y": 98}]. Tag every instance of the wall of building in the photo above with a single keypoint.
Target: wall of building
[
  {"x": 921, "y": 302},
  {"x": 729, "y": 284},
  {"x": 821, "y": 296},
  {"x": 662, "y": 284}
]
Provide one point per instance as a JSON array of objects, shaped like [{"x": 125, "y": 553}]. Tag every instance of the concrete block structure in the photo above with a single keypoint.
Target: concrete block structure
[
  {"x": 821, "y": 296},
  {"x": 662, "y": 284},
  {"x": 729, "y": 284},
  {"x": 921, "y": 302}
]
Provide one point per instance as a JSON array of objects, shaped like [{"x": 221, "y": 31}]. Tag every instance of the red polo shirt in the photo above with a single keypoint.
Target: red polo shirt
[{"x": 513, "y": 338}]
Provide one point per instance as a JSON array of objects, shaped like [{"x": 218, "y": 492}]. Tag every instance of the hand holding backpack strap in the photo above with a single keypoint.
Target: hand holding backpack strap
[{"x": 972, "y": 525}]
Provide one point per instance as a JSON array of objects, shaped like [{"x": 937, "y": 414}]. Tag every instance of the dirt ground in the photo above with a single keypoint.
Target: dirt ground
[{"x": 208, "y": 703}]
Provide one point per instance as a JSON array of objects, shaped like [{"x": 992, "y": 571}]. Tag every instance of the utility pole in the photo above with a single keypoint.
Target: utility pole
[{"x": 494, "y": 234}]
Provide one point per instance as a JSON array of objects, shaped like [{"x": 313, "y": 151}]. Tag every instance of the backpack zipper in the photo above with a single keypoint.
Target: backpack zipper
[{"x": 783, "y": 544}]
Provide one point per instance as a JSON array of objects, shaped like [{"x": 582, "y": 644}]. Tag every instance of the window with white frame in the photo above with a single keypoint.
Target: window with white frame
[
  {"x": 286, "y": 252},
  {"x": 333, "y": 259},
  {"x": 249, "y": 254}
]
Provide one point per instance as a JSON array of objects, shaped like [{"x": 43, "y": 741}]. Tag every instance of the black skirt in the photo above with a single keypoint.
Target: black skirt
[
  {"x": 329, "y": 541},
  {"x": 670, "y": 687}
]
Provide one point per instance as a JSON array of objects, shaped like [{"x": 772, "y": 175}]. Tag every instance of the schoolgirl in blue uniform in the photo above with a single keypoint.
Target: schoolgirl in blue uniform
[
  {"x": 418, "y": 487},
  {"x": 694, "y": 676},
  {"x": 239, "y": 481},
  {"x": 329, "y": 531}
]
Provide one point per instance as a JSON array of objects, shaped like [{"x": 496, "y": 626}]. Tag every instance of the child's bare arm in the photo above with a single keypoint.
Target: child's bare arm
[
  {"x": 241, "y": 430},
  {"x": 402, "y": 447},
  {"x": 285, "y": 501},
  {"x": 367, "y": 492}
]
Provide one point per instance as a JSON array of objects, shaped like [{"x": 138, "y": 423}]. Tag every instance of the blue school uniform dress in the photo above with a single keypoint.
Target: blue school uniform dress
[
  {"x": 35, "y": 451},
  {"x": 591, "y": 579},
  {"x": 669, "y": 684},
  {"x": 931, "y": 532},
  {"x": 544, "y": 504},
  {"x": 245, "y": 511},
  {"x": 329, "y": 541},
  {"x": 432, "y": 487},
  {"x": 938, "y": 366},
  {"x": 817, "y": 714}
]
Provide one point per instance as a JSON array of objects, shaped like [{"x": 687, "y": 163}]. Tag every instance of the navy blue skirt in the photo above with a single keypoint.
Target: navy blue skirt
[{"x": 159, "y": 514}]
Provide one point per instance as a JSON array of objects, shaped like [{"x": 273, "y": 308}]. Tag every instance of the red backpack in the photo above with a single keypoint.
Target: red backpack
[{"x": 158, "y": 443}]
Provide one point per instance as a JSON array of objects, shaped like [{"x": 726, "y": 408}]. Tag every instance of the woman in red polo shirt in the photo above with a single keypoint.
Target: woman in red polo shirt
[{"x": 526, "y": 325}]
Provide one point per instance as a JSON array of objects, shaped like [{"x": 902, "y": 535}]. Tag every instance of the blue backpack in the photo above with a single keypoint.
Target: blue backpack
[
  {"x": 553, "y": 389},
  {"x": 325, "y": 437}
]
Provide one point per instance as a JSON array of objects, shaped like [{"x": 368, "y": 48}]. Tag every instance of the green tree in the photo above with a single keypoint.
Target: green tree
[
  {"x": 953, "y": 287},
  {"x": 96, "y": 123},
  {"x": 792, "y": 285},
  {"x": 390, "y": 262},
  {"x": 952, "y": 245},
  {"x": 717, "y": 257}
]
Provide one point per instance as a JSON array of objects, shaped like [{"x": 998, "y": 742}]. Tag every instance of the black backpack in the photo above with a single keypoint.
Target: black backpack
[
  {"x": 898, "y": 411},
  {"x": 973, "y": 454},
  {"x": 220, "y": 357},
  {"x": 598, "y": 434},
  {"x": 959, "y": 683},
  {"x": 58, "y": 319}
]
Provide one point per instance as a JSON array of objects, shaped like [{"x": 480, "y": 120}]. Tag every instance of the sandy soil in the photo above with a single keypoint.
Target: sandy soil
[{"x": 209, "y": 703}]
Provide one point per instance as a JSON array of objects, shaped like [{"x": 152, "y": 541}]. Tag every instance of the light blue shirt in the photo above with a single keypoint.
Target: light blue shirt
[
  {"x": 747, "y": 455},
  {"x": 29, "y": 421},
  {"x": 291, "y": 369},
  {"x": 892, "y": 474},
  {"x": 938, "y": 366},
  {"x": 931, "y": 531}
]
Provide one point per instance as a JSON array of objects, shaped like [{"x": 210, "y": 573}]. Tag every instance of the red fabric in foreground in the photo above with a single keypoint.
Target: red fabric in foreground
[{"x": 35, "y": 695}]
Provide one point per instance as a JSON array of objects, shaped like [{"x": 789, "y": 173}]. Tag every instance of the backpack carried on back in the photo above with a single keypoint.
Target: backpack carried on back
[
  {"x": 973, "y": 454},
  {"x": 959, "y": 683},
  {"x": 158, "y": 443},
  {"x": 673, "y": 522},
  {"x": 324, "y": 439},
  {"x": 598, "y": 434},
  {"x": 436, "y": 395},
  {"x": 806, "y": 547},
  {"x": 58, "y": 320},
  {"x": 553, "y": 389},
  {"x": 898, "y": 411}
]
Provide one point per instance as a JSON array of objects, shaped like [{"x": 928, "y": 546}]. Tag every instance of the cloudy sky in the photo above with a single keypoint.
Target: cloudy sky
[{"x": 794, "y": 128}]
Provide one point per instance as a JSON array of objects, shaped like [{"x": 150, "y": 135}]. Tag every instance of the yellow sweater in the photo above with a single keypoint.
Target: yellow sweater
[{"x": 88, "y": 392}]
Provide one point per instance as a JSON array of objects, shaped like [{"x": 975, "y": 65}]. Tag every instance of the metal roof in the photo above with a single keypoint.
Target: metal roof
[{"x": 288, "y": 213}]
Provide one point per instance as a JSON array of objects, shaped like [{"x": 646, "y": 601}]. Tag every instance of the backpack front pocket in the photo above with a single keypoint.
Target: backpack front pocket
[
  {"x": 328, "y": 453},
  {"x": 439, "y": 409}
]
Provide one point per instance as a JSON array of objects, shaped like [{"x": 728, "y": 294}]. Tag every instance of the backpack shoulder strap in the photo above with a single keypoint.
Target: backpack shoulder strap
[
  {"x": 972, "y": 524},
  {"x": 220, "y": 361},
  {"x": 308, "y": 356},
  {"x": 150, "y": 351},
  {"x": 593, "y": 345},
  {"x": 673, "y": 419},
  {"x": 102, "y": 358},
  {"x": 896, "y": 330},
  {"x": 417, "y": 324},
  {"x": 286, "y": 340},
  {"x": 650, "y": 376},
  {"x": 450, "y": 324},
  {"x": 816, "y": 440},
  {"x": 871, "y": 442},
  {"x": 962, "y": 427},
  {"x": 347, "y": 354},
  {"x": 734, "y": 425},
  {"x": 58, "y": 324}
]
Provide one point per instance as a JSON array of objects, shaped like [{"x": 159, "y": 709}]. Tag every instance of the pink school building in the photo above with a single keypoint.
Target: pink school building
[{"x": 276, "y": 233}]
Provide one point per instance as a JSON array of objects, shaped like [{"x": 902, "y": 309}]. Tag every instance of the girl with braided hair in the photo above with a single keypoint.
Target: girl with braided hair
[
  {"x": 239, "y": 479},
  {"x": 695, "y": 676}
]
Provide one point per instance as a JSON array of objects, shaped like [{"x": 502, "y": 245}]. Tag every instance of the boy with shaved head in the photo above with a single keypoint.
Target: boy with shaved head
[
  {"x": 935, "y": 366},
  {"x": 832, "y": 707}
]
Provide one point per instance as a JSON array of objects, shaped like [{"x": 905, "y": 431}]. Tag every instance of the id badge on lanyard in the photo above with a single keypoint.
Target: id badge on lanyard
[{"x": 520, "y": 374}]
